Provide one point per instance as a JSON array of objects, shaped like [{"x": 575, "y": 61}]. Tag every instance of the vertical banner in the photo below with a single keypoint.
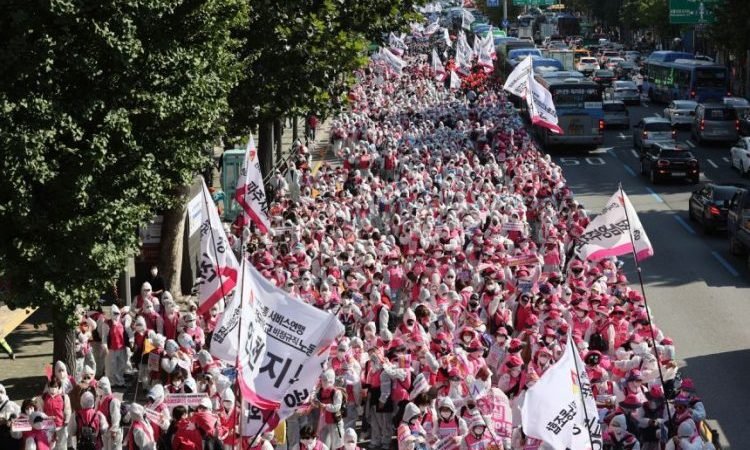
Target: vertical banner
[
  {"x": 250, "y": 193},
  {"x": 218, "y": 268}
]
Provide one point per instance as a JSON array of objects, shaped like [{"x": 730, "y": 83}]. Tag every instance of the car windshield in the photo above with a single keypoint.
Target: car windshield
[
  {"x": 685, "y": 105},
  {"x": 588, "y": 60},
  {"x": 658, "y": 126},
  {"x": 605, "y": 73},
  {"x": 675, "y": 154},
  {"x": 721, "y": 114},
  {"x": 736, "y": 101}
]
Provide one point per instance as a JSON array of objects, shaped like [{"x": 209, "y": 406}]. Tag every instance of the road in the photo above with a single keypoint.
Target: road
[{"x": 698, "y": 291}]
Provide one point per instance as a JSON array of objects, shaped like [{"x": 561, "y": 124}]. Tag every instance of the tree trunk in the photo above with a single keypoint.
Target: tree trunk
[
  {"x": 265, "y": 146},
  {"x": 64, "y": 341},
  {"x": 295, "y": 125},
  {"x": 277, "y": 132},
  {"x": 172, "y": 239}
]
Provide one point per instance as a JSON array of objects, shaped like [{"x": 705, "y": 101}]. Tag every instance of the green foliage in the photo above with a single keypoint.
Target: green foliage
[
  {"x": 106, "y": 107},
  {"x": 732, "y": 28},
  {"x": 300, "y": 55}
]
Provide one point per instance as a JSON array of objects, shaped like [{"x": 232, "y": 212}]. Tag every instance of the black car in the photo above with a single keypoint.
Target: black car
[
  {"x": 604, "y": 77},
  {"x": 665, "y": 160},
  {"x": 709, "y": 205},
  {"x": 625, "y": 70}
]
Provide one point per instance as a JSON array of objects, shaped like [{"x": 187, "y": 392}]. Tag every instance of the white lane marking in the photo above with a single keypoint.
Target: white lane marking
[
  {"x": 712, "y": 163},
  {"x": 629, "y": 170},
  {"x": 654, "y": 195},
  {"x": 622, "y": 135},
  {"x": 635, "y": 153},
  {"x": 726, "y": 160},
  {"x": 690, "y": 144},
  {"x": 725, "y": 263}
]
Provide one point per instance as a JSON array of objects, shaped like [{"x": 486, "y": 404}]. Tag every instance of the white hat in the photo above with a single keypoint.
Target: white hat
[{"x": 206, "y": 403}]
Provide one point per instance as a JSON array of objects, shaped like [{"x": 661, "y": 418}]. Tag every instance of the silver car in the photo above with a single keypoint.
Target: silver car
[
  {"x": 715, "y": 122},
  {"x": 680, "y": 112},
  {"x": 651, "y": 130},
  {"x": 627, "y": 91},
  {"x": 615, "y": 114}
]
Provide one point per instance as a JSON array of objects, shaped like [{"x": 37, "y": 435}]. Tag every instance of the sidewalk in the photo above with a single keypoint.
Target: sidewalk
[{"x": 32, "y": 342}]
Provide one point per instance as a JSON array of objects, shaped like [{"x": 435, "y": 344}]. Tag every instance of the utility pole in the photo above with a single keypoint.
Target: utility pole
[{"x": 505, "y": 11}]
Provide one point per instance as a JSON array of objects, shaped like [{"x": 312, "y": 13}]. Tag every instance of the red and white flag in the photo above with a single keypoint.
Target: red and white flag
[
  {"x": 218, "y": 268},
  {"x": 541, "y": 107},
  {"x": 609, "y": 234},
  {"x": 455, "y": 81},
  {"x": 437, "y": 66},
  {"x": 250, "y": 193},
  {"x": 517, "y": 82}
]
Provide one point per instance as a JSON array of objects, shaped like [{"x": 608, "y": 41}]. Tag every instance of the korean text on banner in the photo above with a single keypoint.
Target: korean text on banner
[
  {"x": 172, "y": 400},
  {"x": 553, "y": 409},
  {"x": 282, "y": 349},
  {"x": 608, "y": 234},
  {"x": 250, "y": 193},
  {"x": 541, "y": 107},
  {"x": 218, "y": 267},
  {"x": 518, "y": 80}
]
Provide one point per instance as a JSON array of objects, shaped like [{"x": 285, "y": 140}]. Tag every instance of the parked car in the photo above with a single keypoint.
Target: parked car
[
  {"x": 604, "y": 77},
  {"x": 615, "y": 114},
  {"x": 709, "y": 205},
  {"x": 680, "y": 112},
  {"x": 650, "y": 130},
  {"x": 627, "y": 91},
  {"x": 587, "y": 65},
  {"x": 667, "y": 160},
  {"x": 715, "y": 122},
  {"x": 739, "y": 155},
  {"x": 738, "y": 223}
]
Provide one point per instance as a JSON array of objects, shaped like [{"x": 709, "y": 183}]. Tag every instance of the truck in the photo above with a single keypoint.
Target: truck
[
  {"x": 738, "y": 224},
  {"x": 566, "y": 57}
]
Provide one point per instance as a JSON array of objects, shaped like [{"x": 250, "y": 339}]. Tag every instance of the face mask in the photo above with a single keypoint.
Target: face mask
[
  {"x": 227, "y": 406},
  {"x": 29, "y": 411},
  {"x": 446, "y": 414},
  {"x": 580, "y": 313},
  {"x": 309, "y": 443},
  {"x": 176, "y": 383},
  {"x": 478, "y": 431},
  {"x": 618, "y": 432},
  {"x": 341, "y": 354}
]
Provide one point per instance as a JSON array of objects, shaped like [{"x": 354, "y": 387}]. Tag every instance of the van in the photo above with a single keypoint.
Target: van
[
  {"x": 615, "y": 114},
  {"x": 715, "y": 122}
]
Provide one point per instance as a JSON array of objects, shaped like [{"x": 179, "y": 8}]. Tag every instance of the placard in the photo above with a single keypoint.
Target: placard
[
  {"x": 172, "y": 400},
  {"x": 22, "y": 424}
]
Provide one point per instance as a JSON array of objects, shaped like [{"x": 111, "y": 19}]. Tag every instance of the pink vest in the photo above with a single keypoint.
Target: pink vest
[
  {"x": 40, "y": 438},
  {"x": 104, "y": 407},
  {"x": 318, "y": 446},
  {"x": 116, "y": 337},
  {"x": 170, "y": 326},
  {"x": 447, "y": 429},
  {"x": 532, "y": 443},
  {"x": 399, "y": 390},
  {"x": 477, "y": 443},
  {"x": 54, "y": 407},
  {"x": 326, "y": 398}
]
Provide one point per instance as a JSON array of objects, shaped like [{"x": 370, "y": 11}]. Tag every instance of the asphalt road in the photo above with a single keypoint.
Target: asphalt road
[{"x": 698, "y": 291}]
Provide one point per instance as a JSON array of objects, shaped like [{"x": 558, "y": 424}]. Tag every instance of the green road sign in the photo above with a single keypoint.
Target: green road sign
[{"x": 692, "y": 11}]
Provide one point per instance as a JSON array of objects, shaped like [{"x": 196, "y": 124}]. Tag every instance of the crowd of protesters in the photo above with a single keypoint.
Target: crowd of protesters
[{"x": 443, "y": 243}]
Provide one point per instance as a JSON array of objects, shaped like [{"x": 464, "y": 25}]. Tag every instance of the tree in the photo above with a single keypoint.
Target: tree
[
  {"x": 300, "y": 56},
  {"x": 106, "y": 110},
  {"x": 731, "y": 32}
]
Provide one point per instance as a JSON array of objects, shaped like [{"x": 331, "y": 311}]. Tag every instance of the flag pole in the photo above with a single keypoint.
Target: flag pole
[
  {"x": 648, "y": 312},
  {"x": 238, "y": 391},
  {"x": 576, "y": 356}
]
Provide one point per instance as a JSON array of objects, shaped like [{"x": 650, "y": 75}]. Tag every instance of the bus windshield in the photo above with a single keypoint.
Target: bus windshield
[
  {"x": 574, "y": 96},
  {"x": 710, "y": 78}
]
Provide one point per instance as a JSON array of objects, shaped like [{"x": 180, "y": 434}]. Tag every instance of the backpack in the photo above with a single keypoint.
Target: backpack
[
  {"x": 341, "y": 414},
  {"x": 86, "y": 437},
  {"x": 597, "y": 341}
]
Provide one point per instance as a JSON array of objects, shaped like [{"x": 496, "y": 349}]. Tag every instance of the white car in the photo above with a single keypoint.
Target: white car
[
  {"x": 680, "y": 112},
  {"x": 587, "y": 64},
  {"x": 740, "y": 155}
]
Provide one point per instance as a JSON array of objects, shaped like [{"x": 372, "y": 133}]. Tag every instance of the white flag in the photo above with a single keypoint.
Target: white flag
[
  {"x": 484, "y": 59},
  {"x": 238, "y": 313},
  {"x": 393, "y": 62},
  {"x": 455, "y": 81},
  {"x": 467, "y": 19},
  {"x": 396, "y": 44},
  {"x": 250, "y": 193},
  {"x": 283, "y": 348},
  {"x": 541, "y": 107},
  {"x": 608, "y": 234},
  {"x": 447, "y": 38},
  {"x": 437, "y": 66},
  {"x": 553, "y": 409},
  {"x": 218, "y": 268},
  {"x": 518, "y": 80}
]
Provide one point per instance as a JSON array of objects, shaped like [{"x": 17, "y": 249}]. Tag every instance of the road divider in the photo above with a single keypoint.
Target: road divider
[
  {"x": 630, "y": 171},
  {"x": 684, "y": 224},
  {"x": 726, "y": 264}
]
